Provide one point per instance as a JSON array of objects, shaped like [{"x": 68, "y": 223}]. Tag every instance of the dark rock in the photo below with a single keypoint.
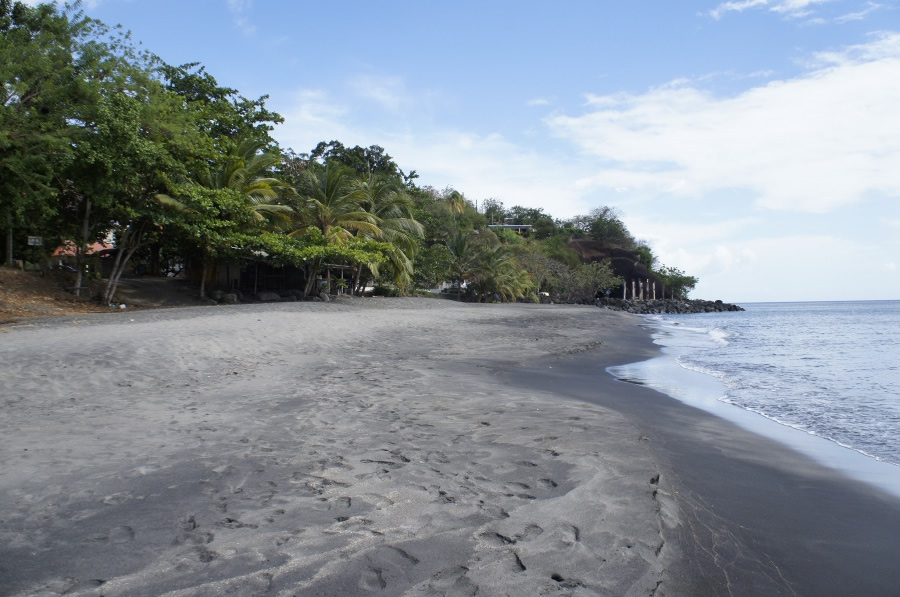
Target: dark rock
[
  {"x": 268, "y": 297},
  {"x": 667, "y": 306}
]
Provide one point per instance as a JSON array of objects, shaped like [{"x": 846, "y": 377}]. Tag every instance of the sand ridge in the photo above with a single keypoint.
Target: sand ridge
[{"x": 363, "y": 446}]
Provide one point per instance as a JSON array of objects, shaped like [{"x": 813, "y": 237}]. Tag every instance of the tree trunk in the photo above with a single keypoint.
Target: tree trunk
[
  {"x": 154, "y": 268},
  {"x": 80, "y": 250},
  {"x": 311, "y": 270},
  {"x": 9, "y": 237},
  {"x": 203, "y": 280},
  {"x": 129, "y": 243},
  {"x": 356, "y": 290}
]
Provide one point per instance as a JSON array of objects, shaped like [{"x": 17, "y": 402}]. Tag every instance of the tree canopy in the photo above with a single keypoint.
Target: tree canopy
[{"x": 100, "y": 140}]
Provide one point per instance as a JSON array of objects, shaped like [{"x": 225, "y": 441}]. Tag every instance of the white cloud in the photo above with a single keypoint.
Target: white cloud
[
  {"x": 789, "y": 8},
  {"x": 789, "y": 268},
  {"x": 808, "y": 144},
  {"x": 859, "y": 15},
  {"x": 481, "y": 165},
  {"x": 239, "y": 10},
  {"x": 695, "y": 247},
  {"x": 491, "y": 166},
  {"x": 538, "y": 101},
  {"x": 388, "y": 92},
  {"x": 310, "y": 116}
]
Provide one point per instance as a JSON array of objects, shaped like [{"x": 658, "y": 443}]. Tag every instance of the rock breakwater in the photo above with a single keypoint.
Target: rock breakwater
[{"x": 657, "y": 306}]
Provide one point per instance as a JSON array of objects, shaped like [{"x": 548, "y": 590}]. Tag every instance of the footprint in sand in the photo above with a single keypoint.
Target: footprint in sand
[
  {"x": 385, "y": 564},
  {"x": 453, "y": 581},
  {"x": 116, "y": 498}
]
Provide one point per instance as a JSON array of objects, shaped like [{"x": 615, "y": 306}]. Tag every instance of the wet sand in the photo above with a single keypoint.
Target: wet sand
[
  {"x": 754, "y": 517},
  {"x": 364, "y": 446}
]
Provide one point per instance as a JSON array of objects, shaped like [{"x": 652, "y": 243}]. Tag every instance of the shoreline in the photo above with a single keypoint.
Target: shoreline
[
  {"x": 756, "y": 517},
  {"x": 705, "y": 395}
]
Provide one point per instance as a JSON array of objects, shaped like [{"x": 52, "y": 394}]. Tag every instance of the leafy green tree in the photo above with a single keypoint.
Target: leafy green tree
[
  {"x": 677, "y": 284},
  {"x": 524, "y": 215},
  {"x": 585, "y": 281},
  {"x": 605, "y": 225},
  {"x": 40, "y": 78},
  {"x": 211, "y": 223},
  {"x": 224, "y": 115},
  {"x": 493, "y": 211},
  {"x": 431, "y": 265},
  {"x": 136, "y": 139},
  {"x": 368, "y": 161},
  {"x": 645, "y": 255},
  {"x": 544, "y": 270}
]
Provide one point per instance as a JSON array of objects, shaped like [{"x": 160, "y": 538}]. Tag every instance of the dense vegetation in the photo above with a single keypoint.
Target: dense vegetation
[{"x": 100, "y": 140}]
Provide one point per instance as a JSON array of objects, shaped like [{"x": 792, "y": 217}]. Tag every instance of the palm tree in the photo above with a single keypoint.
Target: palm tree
[
  {"x": 456, "y": 201},
  {"x": 329, "y": 201},
  {"x": 384, "y": 198},
  {"x": 246, "y": 170},
  {"x": 497, "y": 272},
  {"x": 464, "y": 252}
]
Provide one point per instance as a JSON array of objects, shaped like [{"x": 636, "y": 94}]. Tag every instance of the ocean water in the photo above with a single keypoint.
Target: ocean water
[{"x": 823, "y": 377}]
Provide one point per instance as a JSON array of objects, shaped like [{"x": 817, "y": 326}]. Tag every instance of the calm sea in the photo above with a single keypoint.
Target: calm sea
[{"x": 821, "y": 377}]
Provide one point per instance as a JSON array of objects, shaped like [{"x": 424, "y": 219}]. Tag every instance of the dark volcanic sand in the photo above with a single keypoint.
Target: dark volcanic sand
[
  {"x": 398, "y": 447},
  {"x": 355, "y": 447},
  {"x": 756, "y": 518}
]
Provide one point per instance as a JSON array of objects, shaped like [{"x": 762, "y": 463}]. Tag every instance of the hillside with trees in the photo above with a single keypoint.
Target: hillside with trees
[{"x": 101, "y": 141}]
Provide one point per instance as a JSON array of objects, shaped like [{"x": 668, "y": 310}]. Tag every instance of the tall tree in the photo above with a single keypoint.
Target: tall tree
[
  {"x": 605, "y": 224},
  {"x": 493, "y": 211},
  {"x": 385, "y": 199},
  {"x": 135, "y": 138},
  {"x": 329, "y": 201},
  {"x": 227, "y": 117},
  {"x": 39, "y": 88},
  {"x": 466, "y": 247}
]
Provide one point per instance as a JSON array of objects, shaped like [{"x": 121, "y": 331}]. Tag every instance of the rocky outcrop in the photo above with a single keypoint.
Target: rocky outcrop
[{"x": 667, "y": 306}]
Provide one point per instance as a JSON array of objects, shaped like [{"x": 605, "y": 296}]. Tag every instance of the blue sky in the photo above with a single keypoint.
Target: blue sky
[{"x": 754, "y": 143}]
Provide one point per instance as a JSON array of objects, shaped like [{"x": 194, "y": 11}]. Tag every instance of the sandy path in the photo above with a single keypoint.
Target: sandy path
[{"x": 328, "y": 449}]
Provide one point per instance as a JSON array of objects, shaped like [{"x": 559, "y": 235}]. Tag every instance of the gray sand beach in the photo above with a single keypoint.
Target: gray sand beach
[
  {"x": 325, "y": 449},
  {"x": 397, "y": 446}
]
